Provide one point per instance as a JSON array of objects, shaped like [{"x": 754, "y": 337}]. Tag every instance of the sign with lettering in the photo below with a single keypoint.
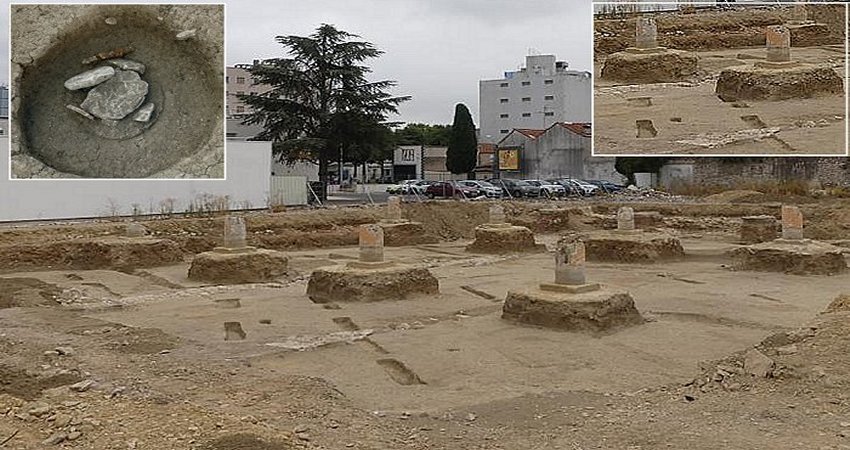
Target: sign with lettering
[{"x": 407, "y": 155}]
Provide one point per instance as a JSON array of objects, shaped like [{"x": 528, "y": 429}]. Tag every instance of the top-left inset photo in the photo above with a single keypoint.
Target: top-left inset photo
[{"x": 117, "y": 91}]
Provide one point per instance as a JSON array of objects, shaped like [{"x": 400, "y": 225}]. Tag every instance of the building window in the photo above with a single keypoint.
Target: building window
[
  {"x": 240, "y": 80},
  {"x": 503, "y": 100},
  {"x": 504, "y": 116},
  {"x": 227, "y": 79},
  {"x": 548, "y": 114},
  {"x": 526, "y": 114},
  {"x": 548, "y": 81},
  {"x": 526, "y": 99},
  {"x": 503, "y": 131},
  {"x": 504, "y": 84},
  {"x": 549, "y": 97},
  {"x": 526, "y": 83}
]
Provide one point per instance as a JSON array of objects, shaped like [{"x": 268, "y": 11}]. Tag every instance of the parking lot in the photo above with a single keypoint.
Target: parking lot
[{"x": 503, "y": 188}]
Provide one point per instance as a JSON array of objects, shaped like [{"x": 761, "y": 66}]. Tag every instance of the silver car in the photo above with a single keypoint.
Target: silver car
[
  {"x": 488, "y": 189},
  {"x": 548, "y": 189}
]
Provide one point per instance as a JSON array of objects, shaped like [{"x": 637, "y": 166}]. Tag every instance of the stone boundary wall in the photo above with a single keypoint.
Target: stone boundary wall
[{"x": 825, "y": 172}]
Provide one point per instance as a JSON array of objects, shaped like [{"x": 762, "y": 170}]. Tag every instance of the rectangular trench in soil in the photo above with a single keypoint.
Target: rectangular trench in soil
[{"x": 399, "y": 372}]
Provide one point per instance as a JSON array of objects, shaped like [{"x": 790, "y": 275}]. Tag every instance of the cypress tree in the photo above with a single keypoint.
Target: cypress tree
[{"x": 462, "y": 154}]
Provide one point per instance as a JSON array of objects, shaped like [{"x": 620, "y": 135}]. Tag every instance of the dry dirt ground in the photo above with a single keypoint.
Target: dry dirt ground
[
  {"x": 691, "y": 119},
  {"x": 438, "y": 372}
]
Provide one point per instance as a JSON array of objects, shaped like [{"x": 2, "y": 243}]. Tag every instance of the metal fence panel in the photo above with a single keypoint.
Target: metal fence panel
[{"x": 288, "y": 191}]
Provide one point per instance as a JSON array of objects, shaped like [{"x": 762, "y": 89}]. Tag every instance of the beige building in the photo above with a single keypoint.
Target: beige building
[{"x": 238, "y": 82}]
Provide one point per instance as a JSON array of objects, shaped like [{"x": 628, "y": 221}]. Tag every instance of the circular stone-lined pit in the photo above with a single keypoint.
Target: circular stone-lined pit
[{"x": 185, "y": 86}]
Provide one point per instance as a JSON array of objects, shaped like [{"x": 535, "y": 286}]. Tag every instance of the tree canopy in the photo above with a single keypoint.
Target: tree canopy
[
  {"x": 319, "y": 104},
  {"x": 629, "y": 166},
  {"x": 423, "y": 134}
]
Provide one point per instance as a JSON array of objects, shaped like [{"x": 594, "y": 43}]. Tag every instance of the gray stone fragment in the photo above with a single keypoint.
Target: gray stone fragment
[
  {"x": 118, "y": 97},
  {"x": 126, "y": 64},
  {"x": 80, "y": 111},
  {"x": 757, "y": 364},
  {"x": 89, "y": 78},
  {"x": 111, "y": 21},
  {"x": 185, "y": 35},
  {"x": 74, "y": 435},
  {"x": 55, "y": 438},
  {"x": 82, "y": 386},
  {"x": 144, "y": 113},
  {"x": 135, "y": 230}
]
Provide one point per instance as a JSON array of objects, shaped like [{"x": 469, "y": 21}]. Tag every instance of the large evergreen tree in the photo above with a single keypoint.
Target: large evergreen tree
[
  {"x": 319, "y": 98},
  {"x": 462, "y": 154}
]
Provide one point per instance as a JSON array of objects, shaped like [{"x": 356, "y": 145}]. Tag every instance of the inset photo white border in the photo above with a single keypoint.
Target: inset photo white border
[
  {"x": 79, "y": 179},
  {"x": 632, "y": 87}
]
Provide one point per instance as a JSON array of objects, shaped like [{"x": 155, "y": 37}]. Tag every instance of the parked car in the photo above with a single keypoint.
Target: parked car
[
  {"x": 606, "y": 186},
  {"x": 483, "y": 187},
  {"x": 418, "y": 187},
  {"x": 450, "y": 189},
  {"x": 401, "y": 187},
  {"x": 409, "y": 187},
  {"x": 581, "y": 187},
  {"x": 548, "y": 189},
  {"x": 516, "y": 188},
  {"x": 569, "y": 188}
]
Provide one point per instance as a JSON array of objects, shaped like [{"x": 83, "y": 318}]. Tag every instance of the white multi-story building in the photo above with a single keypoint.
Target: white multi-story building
[{"x": 542, "y": 93}]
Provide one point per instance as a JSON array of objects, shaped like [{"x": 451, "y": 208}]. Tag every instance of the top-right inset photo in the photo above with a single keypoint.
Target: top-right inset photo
[{"x": 725, "y": 79}]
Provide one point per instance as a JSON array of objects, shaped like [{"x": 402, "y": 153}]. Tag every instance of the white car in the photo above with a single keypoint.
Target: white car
[
  {"x": 399, "y": 187},
  {"x": 402, "y": 187},
  {"x": 418, "y": 187},
  {"x": 489, "y": 189}
]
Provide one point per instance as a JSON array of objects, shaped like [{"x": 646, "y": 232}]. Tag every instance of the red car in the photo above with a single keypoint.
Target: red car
[{"x": 450, "y": 189}]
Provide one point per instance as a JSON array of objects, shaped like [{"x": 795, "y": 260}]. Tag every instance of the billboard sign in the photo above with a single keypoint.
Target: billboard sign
[{"x": 508, "y": 159}]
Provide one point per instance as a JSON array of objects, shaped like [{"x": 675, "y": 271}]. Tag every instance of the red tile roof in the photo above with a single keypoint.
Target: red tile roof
[
  {"x": 486, "y": 148},
  {"x": 580, "y": 128},
  {"x": 530, "y": 132}
]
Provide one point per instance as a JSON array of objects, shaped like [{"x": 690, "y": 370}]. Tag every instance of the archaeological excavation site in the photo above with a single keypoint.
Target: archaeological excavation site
[
  {"x": 117, "y": 91},
  {"x": 744, "y": 80},
  {"x": 615, "y": 323}
]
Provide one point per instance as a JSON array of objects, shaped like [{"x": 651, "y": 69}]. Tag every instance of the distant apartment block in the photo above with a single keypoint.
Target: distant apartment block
[
  {"x": 542, "y": 93},
  {"x": 238, "y": 81}
]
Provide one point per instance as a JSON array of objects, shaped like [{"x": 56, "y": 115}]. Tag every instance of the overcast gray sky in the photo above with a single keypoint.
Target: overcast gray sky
[{"x": 436, "y": 50}]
